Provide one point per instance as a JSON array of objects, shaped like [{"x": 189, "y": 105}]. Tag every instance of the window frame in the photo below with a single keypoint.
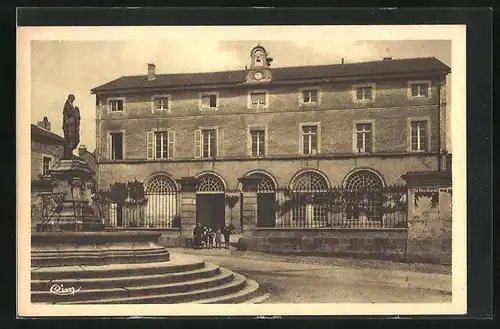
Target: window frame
[
  {"x": 161, "y": 96},
  {"x": 200, "y": 101},
  {"x": 110, "y": 99},
  {"x": 363, "y": 85},
  {"x": 257, "y": 127},
  {"x": 170, "y": 133},
  {"x": 217, "y": 142},
  {"x": 355, "y": 136},
  {"x": 110, "y": 144},
  {"x": 318, "y": 137},
  {"x": 410, "y": 120},
  {"x": 257, "y": 106},
  {"x": 311, "y": 88},
  {"x": 51, "y": 159},
  {"x": 417, "y": 82}
]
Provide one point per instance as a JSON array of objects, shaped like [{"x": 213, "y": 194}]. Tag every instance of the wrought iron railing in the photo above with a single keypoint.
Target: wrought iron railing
[
  {"x": 157, "y": 210},
  {"x": 340, "y": 208}
]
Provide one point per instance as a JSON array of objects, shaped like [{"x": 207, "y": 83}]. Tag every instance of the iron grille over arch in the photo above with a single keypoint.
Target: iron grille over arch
[
  {"x": 162, "y": 201},
  {"x": 309, "y": 181},
  {"x": 266, "y": 184},
  {"x": 209, "y": 183},
  {"x": 363, "y": 179},
  {"x": 160, "y": 183}
]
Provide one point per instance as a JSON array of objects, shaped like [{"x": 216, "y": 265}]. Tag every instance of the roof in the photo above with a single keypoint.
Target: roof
[
  {"x": 353, "y": 70},
  {"x": 37, "y": 131}
]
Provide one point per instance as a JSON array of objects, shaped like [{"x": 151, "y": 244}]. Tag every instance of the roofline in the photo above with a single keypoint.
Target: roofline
[
  {"x": 323, "y": 79},
  {"x": 46, "y": 133}
]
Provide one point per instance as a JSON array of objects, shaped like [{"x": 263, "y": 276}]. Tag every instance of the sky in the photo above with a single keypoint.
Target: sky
[{"x": 62, "y": 67}]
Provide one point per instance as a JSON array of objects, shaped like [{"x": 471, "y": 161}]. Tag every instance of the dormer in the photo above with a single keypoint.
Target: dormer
[{"x": 259, "y": 67}]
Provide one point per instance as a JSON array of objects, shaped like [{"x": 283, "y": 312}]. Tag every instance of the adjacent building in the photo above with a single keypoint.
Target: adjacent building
[{"x": 345, "y": 125}]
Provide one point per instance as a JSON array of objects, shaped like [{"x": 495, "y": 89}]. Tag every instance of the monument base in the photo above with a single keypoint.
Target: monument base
[{"x": 72, "y": 178}]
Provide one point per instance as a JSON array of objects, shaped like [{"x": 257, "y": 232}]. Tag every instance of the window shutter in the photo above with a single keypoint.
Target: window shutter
[
  {"x": 314, "y": 96},
  {"x": 219, "y": 135},
  {"x": 150, "y": 144},
  {"x": 197, "y": 143},
  {"x": 171, "y": 144}
]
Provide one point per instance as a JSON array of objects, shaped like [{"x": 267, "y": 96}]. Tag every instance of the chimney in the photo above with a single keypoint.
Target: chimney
[
  {"x": 45, "y": 124},
  {"x": 82, "y": 149},
  {"x": 387, "y": 58},
  {"x": 151, "y": 72},
  {"x": 342, "y": 61}
]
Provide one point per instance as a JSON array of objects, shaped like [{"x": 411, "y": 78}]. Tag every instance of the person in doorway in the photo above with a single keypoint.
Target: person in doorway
[
  {"x": 197, "y": 232},
  {"x": 218, "y": 237},
  {"x": 226, "y": 232}
]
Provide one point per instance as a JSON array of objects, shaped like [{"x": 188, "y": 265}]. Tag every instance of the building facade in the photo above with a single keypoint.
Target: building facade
[
  {"x": 348, "y": 125},
  {"x": 46, "y": 147}
]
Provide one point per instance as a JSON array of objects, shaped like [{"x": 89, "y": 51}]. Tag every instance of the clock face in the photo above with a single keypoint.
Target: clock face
[{"x": 257, "y": 75}]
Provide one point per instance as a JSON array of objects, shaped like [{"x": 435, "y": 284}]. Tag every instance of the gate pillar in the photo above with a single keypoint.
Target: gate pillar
[
  {"x": 188, "y": 207},
  {"x": 249, "y": 187}
]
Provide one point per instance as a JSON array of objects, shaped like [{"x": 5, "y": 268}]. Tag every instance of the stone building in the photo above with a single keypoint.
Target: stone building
[
  {"x": 46, "y": 147},
  {"x": 344, "y": 125}
]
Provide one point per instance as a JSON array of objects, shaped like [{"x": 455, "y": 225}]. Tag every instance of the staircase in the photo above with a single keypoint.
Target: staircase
[{"x": 177, "y": 278}]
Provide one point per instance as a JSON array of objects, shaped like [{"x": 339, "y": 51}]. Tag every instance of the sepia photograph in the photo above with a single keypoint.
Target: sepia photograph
[{"x": 258, "y": 167}]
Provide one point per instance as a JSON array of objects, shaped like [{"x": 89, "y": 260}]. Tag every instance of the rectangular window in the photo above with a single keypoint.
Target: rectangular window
[
  {"x": 364, "y": 137},
  {"x": 364, "y": 93},
  {"x": 419, "y": 135},
  {"x": 46, "y": 165},
  {"x": 160, "y": 144},
  {"x": 258, "y": 142},
  {"x": 419, "y": 89},
  {"x": 116, "y": 146},
  {"x": 310, "y": 96},
  {"x": 116, "y": 105},
  {"x": 258, "y": 98},
  {"x": 209, "y": 101},
  {"x": 205, "y": 143},
  {"x": 161, "y": 104},
  {"x": 309, "y": 139}
]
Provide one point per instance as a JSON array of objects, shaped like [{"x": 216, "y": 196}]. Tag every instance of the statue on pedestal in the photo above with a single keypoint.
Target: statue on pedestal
[{"x": 71, "y": 127}]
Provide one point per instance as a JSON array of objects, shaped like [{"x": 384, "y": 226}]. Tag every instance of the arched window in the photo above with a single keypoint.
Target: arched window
[
  {"x": 364, "y": 195},
  {"x": 309, "y": 212},
  {"x": 266, "y": 184},
  {"x": 309, "y": 181},
  {"x": 363, "y": 179},
  {"x": 160, "y": 183},
  {"x": 162, "y": 201},
  {"x": 209, "y": 183}
]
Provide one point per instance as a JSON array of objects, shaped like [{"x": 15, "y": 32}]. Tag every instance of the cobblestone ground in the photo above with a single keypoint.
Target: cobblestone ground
[{"x": 312, "y": 279}]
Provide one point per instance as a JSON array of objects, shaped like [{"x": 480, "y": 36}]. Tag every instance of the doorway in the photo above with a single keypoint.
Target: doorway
[
  {"x": 210, "y": 210},
  {"x": 266, "y": 209}
]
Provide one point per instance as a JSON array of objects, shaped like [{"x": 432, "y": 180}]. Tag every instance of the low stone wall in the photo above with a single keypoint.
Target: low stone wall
[
  {"x": 388, "y": 244},
  {"x": 170, "y": 237}
]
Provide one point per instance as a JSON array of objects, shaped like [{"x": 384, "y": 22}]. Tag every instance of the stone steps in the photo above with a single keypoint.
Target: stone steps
[
  {"x": 98, "y": 258},
  {"x": 237, "y": 283},
  {"x": 144, "y": 279},
  {"x": 182, "y": 279}
]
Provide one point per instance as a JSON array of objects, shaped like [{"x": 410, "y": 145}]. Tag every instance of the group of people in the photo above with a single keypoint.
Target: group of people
[{"x": 205, "y": 237}]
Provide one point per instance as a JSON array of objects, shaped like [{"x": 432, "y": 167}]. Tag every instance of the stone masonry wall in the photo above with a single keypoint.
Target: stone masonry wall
[
  {"x": 359, "y": 243},
  {"x": 40, "y": 149}
]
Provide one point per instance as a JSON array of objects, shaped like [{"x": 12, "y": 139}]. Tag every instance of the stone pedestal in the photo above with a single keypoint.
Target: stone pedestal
[
  {"x": 249, "y": 220},
  {"x": 188, "y": 207},
  {"x": 72, "y": 178},
  {"x": 429, "y": 217}
]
